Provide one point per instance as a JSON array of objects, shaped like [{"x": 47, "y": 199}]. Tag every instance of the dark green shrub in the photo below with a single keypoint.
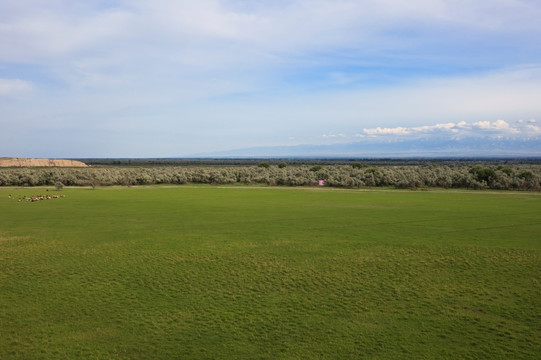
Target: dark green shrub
[
  {"x": 316, "y": 168},
  {"x": 484, "y": 174},
  {"x": 526, "y": 175},
  {"x": 263, "y": 165},
  {"x": 506, "y": 170},
  {"x": 358, "y": 165}
]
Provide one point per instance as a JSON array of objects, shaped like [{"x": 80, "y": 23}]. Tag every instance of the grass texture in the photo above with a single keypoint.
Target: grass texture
[{"x": 269, "y": 273}]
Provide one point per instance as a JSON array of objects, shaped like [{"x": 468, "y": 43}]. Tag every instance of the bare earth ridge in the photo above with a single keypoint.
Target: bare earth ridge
[{"x": 30, "y": 162}]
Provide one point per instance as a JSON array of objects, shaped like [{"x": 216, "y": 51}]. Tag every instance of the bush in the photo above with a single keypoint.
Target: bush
[
  {"x": 282, "y": 165},
  {"x": 505, "y": 170},
  {"x": 316, "y": 168},
  {"x": 357, "y": 165},
  {"x": 263, "y": 165},
  {"x": 484, "y": 174},
  {"x": 526, "y": 175}
]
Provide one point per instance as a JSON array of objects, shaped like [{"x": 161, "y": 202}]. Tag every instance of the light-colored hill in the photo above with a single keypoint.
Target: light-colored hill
[{"x": 29, "y": 162}]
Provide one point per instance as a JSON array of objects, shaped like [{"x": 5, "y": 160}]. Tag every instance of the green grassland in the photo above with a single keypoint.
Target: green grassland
[{"x": 270, "y": 273}]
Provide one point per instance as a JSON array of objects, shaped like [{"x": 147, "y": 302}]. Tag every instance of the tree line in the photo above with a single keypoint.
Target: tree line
[{"x": 354, "y": 175}]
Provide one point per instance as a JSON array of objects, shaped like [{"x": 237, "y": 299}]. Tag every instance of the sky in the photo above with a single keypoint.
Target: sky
[{"x": 164, "y": 78}]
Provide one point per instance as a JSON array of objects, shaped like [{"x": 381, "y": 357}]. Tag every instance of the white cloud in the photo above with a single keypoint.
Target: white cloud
[
  {"x": 496, "y": 128},
  {"x": 53, "y": 30},
  {"x": 441, "y": 127},
  {"x": 261, "y": 30},
  {"x": 333, "y": 136},
  {"x": 14, "y": 87},
  {"x": 148, "y": 42},
  {"x": 387, "y": 131}
]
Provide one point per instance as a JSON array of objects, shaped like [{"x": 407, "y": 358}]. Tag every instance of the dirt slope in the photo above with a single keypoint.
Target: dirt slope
[{"x": 29, "y": 162}]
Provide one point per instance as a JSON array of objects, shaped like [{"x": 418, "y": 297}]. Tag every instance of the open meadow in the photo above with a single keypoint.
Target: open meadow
[{"x": 208, "y": 272}]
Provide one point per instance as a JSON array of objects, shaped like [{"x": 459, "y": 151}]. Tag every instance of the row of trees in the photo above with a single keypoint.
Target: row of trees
[{"x": 483, "y": 176}]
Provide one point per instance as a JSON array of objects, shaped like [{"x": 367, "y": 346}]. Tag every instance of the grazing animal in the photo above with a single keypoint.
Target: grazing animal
[{"x": 34, "y": 198}]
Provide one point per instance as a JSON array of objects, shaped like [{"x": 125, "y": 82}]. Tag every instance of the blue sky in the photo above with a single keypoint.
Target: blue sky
[{"x": 163, "y": 78}]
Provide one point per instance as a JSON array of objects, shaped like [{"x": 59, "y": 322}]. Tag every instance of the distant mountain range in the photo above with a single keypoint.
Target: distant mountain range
[{"x": 396, "y": 148}]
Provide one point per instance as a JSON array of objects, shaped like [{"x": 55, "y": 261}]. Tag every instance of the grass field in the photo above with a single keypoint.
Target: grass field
[{"x": 270, "y": 273}]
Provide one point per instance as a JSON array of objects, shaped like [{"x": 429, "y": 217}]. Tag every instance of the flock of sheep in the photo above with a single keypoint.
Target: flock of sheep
[{"x": 34, "y": 198}]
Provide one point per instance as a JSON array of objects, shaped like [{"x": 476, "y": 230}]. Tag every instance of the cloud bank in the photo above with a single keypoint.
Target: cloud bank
[{"x": 497, "y": 129}]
